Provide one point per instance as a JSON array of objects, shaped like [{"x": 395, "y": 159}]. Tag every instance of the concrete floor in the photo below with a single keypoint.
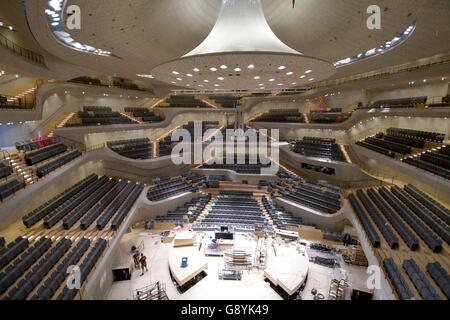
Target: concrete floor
[{"x": 252, "y": 286}]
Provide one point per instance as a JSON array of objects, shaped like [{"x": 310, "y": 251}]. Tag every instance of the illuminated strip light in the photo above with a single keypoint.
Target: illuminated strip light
[
  {"x": 155, "y": 104},
  {"x": 131, "y": 118},
  {"x": 389, "y": 45},
  {"x": 166, "y": 134},
  {"x": 210, "y": 104},
  {"x": 344, "y": 152},
  {"x": 54, "y": 16},
  {"x": 213, "y": 134}
]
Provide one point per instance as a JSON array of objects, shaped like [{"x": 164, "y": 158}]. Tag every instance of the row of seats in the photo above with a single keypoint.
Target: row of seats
[
  {"x": 120, "y": 216},
  {"x": 428, "y": 167},
  {"x": 132, "y": 148},
  {"x": 440, "y": 277},
  {"x": 170, "y": 188},
  {"x": 185, "y": 101},
  {"x": 416, "y": 134},
  {"x": 114, "y": 207},
  {"x": 226, "y": 101},
  {"x": 10, "y": 188},
  {"x": 432, "y": 241},
  {"x": 4, "y": 170},
  {"x": 318, "y": 149},
  {"x": 280, "y": 217},
  {"x": 37, "y": 214},
  {"x": 445, "y": 150},
  {"x": 436, "y": 158},
  {"x": 382, "y": 225},
  {"x": 397, "y": 280},
  {"x": 34, "y": 144},
  {"x": 373, "y": 236},
  {"x": 19, "y": 265},
  {"x": 57, "y": 277},
  {"x": 431, "y": 220},
  {"x": 432, "y": 205},
  {"x": 393, "y": 146},
  {"x": 93, "y": 214},
  {"x": 326, "y": 115},
  {"x": 52, "y": 166},
  {"x": 39, "y": 271},
  {"x": 416, "y": 143},
  {"x": 53, "y": 218},
  {"x": 372, "y": 147},
  {"x": 281, "y": 115},
  {"x": 308, "y": 195},
  {"x": 44, "y": 154},
  {"x": 12, "y": 250},
  {"x": 82, "y": 209},
  {"x": 191, "y": 210},
  {"x": 145, "y": 114},
  {"x": 408, "y": 237},
  {"x": 423, "y": 286},
  {"x": 97, "y": 109},
  {"x": 85, "y": 268},
  {"x": 396, "y": 103}
]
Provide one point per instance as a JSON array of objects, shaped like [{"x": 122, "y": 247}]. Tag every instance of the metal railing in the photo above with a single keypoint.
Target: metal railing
[{"x": 26, "y": 53}]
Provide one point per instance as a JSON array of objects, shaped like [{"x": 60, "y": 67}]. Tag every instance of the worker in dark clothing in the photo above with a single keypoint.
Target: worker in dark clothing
[
  {"x": 347, "y": 239},
  {"x": 136, "y": 259},
  {"x": 143, "y": 262}
]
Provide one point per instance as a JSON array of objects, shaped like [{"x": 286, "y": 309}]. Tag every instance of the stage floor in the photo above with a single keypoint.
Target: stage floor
[{"x": 252, "y": 286}]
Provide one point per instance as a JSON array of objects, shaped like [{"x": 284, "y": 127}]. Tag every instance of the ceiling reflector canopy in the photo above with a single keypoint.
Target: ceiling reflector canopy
[{"x": 242, "y": 52}]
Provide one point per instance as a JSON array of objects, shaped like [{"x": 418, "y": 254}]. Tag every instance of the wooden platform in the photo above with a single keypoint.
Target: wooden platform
[{"x": 196, "y": 263}]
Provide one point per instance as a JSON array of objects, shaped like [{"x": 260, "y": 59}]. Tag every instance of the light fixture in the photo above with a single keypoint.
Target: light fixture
[
  {"x": 241, "y": 34},
  {"x": 213, "y": 69},
  {"x": 289, "y": 73},
  {"x": 257, "y": 77},
  {"x": 220, "y": 78},
  {"x": 205, "y": 80},
  {"x": 145, "y": 76},
  {"x": 179, "y": 79},
  {"x": 189, "y": 75},
  {"x": 175, "y": 72},
  {"x": 311, "y": 79},
  {"x": 272, "y": 79},
  {"x": 294, "y": 83},
  {"x": 10, "y": 28},
  {"x": 308, "y": 71},
  {"x": 196, "y": 69},
  {"x": 301, "y": 77}
]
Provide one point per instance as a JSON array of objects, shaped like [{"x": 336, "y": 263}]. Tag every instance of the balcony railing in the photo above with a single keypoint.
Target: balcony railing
[{"x": 26, "y": 53}]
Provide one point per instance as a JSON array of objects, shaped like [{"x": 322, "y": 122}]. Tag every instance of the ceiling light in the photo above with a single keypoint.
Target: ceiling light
[
  {"x": 179, "y": 79},
  {"x": 311, "y": 79},
  {"x": 280, "y": 84},
  {"x": 257, "y": 77},
  {"x": 173, "y": 82},
  {"x": 424, "y": 80},
  {"x": 17, "y": 75},
  {"x": 261, "y": 84},
  {"x": 251, "y": 66},
  {"x": 294, "y": 83},
  {"x": 213, "y": 69},
  {"x": 223, "y": 67},
  {"x": 289, "y": 73},
  {"x": 205, "y": 80},
  {"x": 281, "y": 67},
  {"x": 271, "y": 80},
  {"x": 216, "y": 85},
  {"x": 200, "y": 85},
  {"x": 1, "y": 24},
  {"x": 301, "y": 77},
  {"x": 220, "y": 78},
  {"x": 308, "y": 71},
  {"x": 188, "y": 85},
  {"x": 174, "y": 72},
  {"x": 189, "y": 75},
  {"x": 10, "y": 28},
  {"x": 237, "y": 69},
  {"x": 196, "y": 69}
]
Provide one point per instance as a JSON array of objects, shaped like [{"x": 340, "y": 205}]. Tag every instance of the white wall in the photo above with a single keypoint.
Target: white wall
[{"x": 10, "y": 134}]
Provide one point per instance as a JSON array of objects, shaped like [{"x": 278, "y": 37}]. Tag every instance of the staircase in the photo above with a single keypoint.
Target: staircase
[
  {"x": 269, "y": 218},
  {"x": 203, "y": 213}
]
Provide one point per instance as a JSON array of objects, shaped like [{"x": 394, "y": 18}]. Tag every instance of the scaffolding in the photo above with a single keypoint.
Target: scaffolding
[{"x": 155, "y": 291}]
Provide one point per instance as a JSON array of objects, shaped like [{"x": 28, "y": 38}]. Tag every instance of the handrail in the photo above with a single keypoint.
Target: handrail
[{"x": 26, "y": 53}]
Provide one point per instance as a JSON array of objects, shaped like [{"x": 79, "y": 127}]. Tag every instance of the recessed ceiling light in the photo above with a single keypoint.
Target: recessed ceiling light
[
  {"x": 174, "y": 72},
  {"x": 1, "y": 24},
  {"x": 261, "y": 84},
  {"x": 237, "y": 69},
  {"x": 189, "y": 75},
  {"x": 220, "y": 78},
  {"x": 223, "y": 66},
  {"x": 251, "y": 66},
  {"x": 257, "y": 77},
  {"x": 179, "y": 79},
  {"x": 205, "y": 80},
  {"x": 443, "y": 78},
  {"x": 302, "y": 77},
  {"x": 217, "y": 85},
  {"x": 17, "y": 75},
  {"x": 200, "y": 85},
  {"x": 196, "y": 69},
  {"x": 188, "y": 85},
  {"x": 311, "y": 79},
  {"x": 308, "y": 71},
  {"x": 271, "y": 80},
  {"x": 424, "y": 80},
  {"x": 289, "y": 73},
  {"x": 173, "y": 82},
  {"x": 262, "y": 88},
  {"x": 281, "y": 67},
  {"x": 10, "y": 28},
  {"x": 294, "y": 83},
  {"x": 213, "y": 69},
  {"x": 280, "y": 84}
]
